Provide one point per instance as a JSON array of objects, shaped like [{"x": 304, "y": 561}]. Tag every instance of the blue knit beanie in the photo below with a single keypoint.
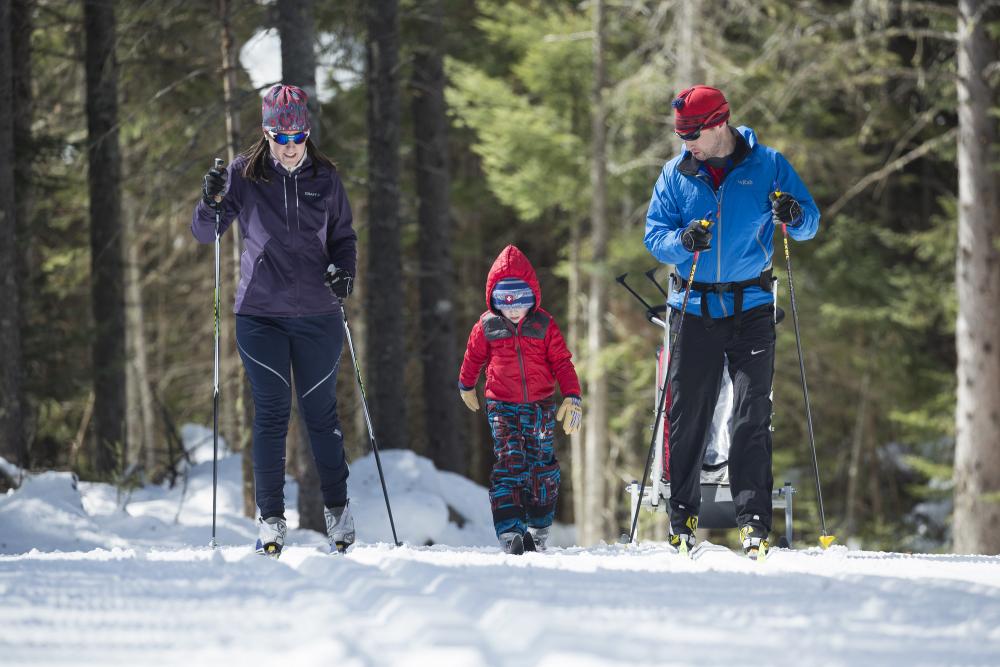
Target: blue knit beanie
[{"x": 513, "y": 293}]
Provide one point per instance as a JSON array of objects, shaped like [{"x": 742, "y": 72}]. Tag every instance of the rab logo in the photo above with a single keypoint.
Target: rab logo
[{"x": 745, "y": 181}]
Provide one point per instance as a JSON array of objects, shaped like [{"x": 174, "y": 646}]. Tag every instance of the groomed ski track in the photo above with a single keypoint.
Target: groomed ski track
[{"x": 609, "y": 605}]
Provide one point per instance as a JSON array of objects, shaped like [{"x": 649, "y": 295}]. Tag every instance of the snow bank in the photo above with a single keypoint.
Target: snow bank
[{"x": 54, "y": 512}]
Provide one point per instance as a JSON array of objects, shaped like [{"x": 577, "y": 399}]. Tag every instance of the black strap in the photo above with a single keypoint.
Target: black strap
[{"x": 762, "y": 281}]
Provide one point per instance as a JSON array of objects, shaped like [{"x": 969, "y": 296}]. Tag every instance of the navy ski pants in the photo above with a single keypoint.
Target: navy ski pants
[
  {"x": 695, "y": 377},
  {"x": 271, "y": 348},
  {"x": 524, "y": 483}
]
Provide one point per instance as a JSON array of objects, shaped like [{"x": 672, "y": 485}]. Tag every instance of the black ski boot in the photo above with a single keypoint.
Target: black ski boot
[
  {"x": 754, "y": 539},
  {"x": 682, "y": 533},
  {"x": 529, "y": 542},
  {"x": 513, "y": 543}
]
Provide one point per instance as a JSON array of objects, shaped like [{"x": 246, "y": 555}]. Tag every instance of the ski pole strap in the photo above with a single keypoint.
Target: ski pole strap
[{"x": 763, "y": 281}]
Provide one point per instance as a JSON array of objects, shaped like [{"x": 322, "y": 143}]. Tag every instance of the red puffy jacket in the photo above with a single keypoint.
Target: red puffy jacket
[{"x": 523, "y": 361}]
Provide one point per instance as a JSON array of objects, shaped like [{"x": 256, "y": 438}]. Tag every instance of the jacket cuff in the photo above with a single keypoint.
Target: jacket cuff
[{"x": 464, "y": 388}]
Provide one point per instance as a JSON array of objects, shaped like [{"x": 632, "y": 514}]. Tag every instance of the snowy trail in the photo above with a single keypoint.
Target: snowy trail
[
  {"x": 151, "y": 598},
  {"x": 476, "y": 606}
]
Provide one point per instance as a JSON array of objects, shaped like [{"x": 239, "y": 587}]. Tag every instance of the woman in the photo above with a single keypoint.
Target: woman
[{"x": 298, "y": 264}]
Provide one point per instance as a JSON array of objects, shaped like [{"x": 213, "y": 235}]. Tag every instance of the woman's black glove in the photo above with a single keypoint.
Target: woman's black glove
[
  {"x": 213, "y": 185},
  {"x": 785, "y": 210},
  {"x": 697, "y": 236},
  {"x": 340, "y": 282}
]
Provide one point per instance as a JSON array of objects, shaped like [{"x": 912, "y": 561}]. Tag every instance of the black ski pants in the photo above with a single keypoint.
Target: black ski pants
[{"x": 695, "y": 376}]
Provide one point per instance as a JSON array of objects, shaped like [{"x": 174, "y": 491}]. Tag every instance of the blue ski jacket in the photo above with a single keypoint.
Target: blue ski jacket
[{"x": 743, "y": 234}]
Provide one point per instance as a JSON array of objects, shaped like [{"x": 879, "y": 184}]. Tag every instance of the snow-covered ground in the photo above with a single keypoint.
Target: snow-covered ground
[{"x": 83, "y": 582}]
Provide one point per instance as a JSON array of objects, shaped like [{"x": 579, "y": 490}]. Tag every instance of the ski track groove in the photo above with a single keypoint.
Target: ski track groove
[{"x": 474, "y": 606}]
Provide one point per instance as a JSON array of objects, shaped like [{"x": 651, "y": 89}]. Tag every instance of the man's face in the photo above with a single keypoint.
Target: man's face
[
  {"x": 515, "y": 315},
  {"x": 711, "y": 143}
]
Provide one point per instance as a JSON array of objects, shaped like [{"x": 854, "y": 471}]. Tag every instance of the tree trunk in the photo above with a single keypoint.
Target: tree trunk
[
  {"x": 235, "y": 384},
  {"x": 12, "y": 446},
  {"x": 977, "y": 271},
  {"x": 107, "y": 271},
  {"x": 140, "y": 420},
  {"x": 24, "y": 156},
  {"x": 575, "y": 337},
  {"x": 386, "y": 350},
  {"x": 437, "y": 275},
  {"x": 688, "y": 48},
  {"x": 596, "y": 433},
  {"x": 298, "y": 67},
  {"x": 857, "y": 450},
  {"x": 234, "y": 391},
  {"x": 297, "y": 25}
]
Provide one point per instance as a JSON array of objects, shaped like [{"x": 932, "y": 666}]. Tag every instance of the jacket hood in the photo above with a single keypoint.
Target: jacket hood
[{"x": 512, "y": 263}]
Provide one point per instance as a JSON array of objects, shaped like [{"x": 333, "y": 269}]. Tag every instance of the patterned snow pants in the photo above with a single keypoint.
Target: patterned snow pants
[{"x": 524, "y": 483}]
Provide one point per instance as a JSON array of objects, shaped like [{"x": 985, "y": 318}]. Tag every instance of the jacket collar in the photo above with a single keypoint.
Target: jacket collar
[
  {"x": 281, "y": 169},
  {"x": 689, "y": 165}
]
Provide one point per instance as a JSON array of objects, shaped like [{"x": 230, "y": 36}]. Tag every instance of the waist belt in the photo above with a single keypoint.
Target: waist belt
[{"x": 762, "y": 281}]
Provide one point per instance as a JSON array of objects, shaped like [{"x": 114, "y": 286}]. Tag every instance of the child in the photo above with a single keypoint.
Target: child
[{"x": 524, "y": 354}]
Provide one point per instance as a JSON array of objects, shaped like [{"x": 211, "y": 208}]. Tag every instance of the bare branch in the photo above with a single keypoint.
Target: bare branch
[{"x": 888, "y": 169}]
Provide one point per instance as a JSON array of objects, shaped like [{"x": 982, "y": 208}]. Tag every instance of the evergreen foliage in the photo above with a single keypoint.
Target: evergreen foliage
[{"x": 860, "y": 96}]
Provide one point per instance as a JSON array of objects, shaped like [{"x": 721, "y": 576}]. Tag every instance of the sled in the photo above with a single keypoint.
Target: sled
[{"x": 717, "y": 507}]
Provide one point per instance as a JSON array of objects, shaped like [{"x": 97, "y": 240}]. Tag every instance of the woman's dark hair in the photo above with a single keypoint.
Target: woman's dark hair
[{"x": 255, "y": 168}]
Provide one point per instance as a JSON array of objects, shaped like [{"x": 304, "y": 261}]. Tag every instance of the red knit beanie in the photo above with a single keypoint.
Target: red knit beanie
[{"x": 699, "y": 107}]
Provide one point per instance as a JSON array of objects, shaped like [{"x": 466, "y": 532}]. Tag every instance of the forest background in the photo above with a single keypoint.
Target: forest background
[{"x": 461, "y": 126}]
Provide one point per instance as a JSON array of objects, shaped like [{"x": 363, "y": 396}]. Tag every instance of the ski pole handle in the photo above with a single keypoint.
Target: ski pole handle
[{"x": 218, "y": 165}]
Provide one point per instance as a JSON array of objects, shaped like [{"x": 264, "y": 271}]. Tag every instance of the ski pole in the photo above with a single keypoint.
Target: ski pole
[
  {"x": 825, "y": 539},
  {"x": 368, "y": 421},
  {"x": 215, "y": 383},
  {"x": 651, "y": 275},
  {"x": 663, "y": 393},
  {"x": 650, "y": 310}
]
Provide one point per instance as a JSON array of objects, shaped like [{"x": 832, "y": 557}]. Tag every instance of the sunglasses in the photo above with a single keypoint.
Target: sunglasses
[
  {"x": 690, "y": 136},
  {"x": 283, "y": 139}
]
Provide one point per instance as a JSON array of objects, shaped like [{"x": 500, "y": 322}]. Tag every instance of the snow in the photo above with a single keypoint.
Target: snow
[{"x": 89, "y": 577}]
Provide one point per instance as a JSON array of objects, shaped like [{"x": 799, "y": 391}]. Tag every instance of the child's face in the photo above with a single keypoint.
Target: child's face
[{"x": 515, "y": 315}]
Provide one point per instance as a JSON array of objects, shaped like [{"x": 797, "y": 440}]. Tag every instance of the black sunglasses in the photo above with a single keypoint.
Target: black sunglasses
[{"x": 691, "y": 136}]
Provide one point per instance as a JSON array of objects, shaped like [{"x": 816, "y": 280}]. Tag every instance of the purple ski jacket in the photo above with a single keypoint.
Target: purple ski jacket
[{"x": 293, "y": 225}]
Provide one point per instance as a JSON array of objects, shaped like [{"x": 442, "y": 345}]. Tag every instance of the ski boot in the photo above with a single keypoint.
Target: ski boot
[
  {"x": 271, "y": 536},
  {"x": 513, "y": 543},
  {"x": 681, "y": 535},
  {"x": 538, "y": 536},
  {"x": 754, "y": 539},
  {"x": 339, "y": 527}
]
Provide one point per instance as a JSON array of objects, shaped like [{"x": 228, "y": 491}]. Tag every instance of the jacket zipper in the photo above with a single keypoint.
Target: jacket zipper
[
  {"x": 718, "y": 222},
  {"x": 718, "y": 255},
  {"x": 520, "y": 360},
  {"x": 298, "y": 226},
  {"x": 284, "y": 191},
  {"x": 298, "y": 223}
]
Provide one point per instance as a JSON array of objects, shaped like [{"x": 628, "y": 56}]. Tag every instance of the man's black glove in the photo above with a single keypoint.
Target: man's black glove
[
  {"x": 785, "y": 210},
  {"x": 213, "y": 185},
  {"x": 697, "y": 236},
  {"x": 340, "y": 282}
]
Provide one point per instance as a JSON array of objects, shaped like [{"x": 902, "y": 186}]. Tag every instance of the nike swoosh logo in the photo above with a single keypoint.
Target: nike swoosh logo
[{"x": 754, "y": 353}]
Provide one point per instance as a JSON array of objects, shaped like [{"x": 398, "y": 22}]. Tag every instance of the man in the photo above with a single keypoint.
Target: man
[{"x": 743, "y": 189}]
